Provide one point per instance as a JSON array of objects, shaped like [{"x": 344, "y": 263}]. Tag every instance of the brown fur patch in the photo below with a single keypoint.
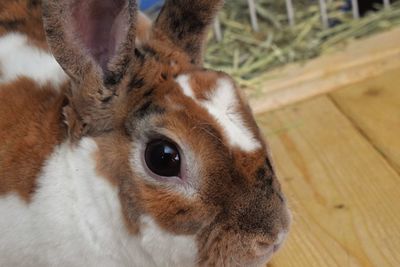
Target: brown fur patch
[
  {"x": 203, "y": 82},
  {"x": 24, "y": 16},
  {"x": 173, "y": 212},
  {"x": 113, "y": 163},
  {"x": 30, "y": 127}
]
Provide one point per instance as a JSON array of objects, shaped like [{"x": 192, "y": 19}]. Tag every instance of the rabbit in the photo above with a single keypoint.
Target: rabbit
[{"x": 115, "y": 152}]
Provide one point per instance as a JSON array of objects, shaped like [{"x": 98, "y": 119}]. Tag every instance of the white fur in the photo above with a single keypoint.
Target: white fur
[
  {"x": 75, "y": 219},
  {"x": 222, "y": 104},
  {"x": 19, "y": 58},
  {"x": 172, "y": 250},
  {"x": 184, "y": 83}
]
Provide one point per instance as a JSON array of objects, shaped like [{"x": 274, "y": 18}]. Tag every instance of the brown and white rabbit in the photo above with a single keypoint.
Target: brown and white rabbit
[{"x": 131, "y": 156}]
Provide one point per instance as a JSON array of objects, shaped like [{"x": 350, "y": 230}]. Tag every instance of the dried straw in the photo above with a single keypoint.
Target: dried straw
[{"x": 247, "y": 55}]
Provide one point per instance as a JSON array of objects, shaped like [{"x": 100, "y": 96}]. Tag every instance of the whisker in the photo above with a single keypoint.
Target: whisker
[{"x": 204, "y": 129}]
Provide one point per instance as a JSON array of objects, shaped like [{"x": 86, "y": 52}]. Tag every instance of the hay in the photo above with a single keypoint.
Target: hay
[{"x": 247, "y": 55}]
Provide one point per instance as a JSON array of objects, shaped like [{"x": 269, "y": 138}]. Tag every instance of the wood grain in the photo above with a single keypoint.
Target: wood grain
[
  {"x": 344, "y": 194},
  {"x": 374, "y": 106},
  {"x": 359, "y": 60}
]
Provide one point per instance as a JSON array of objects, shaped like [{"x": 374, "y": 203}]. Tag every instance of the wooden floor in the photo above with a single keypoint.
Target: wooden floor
[{"x": 338, "y": 158}]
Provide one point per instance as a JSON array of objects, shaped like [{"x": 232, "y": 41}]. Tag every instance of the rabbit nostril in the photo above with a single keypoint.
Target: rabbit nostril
[
  {"x": 263, "y": 248},
  {"x": 279, "y": 241},
  {"x": 262, "y": 244}
]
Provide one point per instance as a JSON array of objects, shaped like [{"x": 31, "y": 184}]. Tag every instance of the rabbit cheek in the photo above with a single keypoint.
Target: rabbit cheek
[
  {"x": 113, "y": 164},
  {"x": 174, "y": 213}
]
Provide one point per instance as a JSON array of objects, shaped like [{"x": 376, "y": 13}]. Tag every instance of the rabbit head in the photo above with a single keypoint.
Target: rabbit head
[{"x": 178, "y": 140}]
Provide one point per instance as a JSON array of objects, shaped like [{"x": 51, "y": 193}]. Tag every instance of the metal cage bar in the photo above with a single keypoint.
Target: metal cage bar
[
  {"x": 290, "y": 12},
  {"x": 324, "y": 13},
  {"x": 386, "y": 3},
  {"x": 217, "y": 29},
  {"x": 253, "y": 15},
  {"x": 355, "y": 9}
]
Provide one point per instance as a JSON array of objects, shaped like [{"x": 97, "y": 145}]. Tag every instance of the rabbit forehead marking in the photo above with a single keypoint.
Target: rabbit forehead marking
[
  {"x": 19, "y": 58},
  {"x": 223, "y": 104}
]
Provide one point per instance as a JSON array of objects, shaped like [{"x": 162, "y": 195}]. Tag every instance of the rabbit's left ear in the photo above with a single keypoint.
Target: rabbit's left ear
[
  {"x": 91, "y": 35},
  {"x": 185, "y": 24}
]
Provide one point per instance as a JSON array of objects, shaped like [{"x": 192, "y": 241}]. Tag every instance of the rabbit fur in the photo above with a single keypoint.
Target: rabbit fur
[{"x": 77, "y": 114}]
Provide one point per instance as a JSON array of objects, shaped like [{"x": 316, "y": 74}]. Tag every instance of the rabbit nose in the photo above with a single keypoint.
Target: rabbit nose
[{"x": 265, "y": 248}]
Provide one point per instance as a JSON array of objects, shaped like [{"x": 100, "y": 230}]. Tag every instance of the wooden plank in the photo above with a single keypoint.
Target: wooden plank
[
  {"x": 374, "y": 105},
  {"x": 359, "y": 60},
  {"x": 343, "y": 193}
]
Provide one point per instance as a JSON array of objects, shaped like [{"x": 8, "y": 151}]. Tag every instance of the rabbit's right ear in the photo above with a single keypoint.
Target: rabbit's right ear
[
  {"x": 91, "y": 36},
  {"x": 93, "y": 41}
]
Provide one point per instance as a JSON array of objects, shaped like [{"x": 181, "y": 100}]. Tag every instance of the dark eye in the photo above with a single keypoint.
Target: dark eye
[{"x": 162, "y": 157}]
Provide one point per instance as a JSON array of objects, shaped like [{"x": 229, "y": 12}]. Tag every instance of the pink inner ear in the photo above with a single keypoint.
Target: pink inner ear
[{"x": 101, "y": 26}]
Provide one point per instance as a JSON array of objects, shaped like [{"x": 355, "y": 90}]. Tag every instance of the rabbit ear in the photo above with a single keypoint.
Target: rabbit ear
[
  {"x": 91, "y": 35},
  {"x": 93, "y": 41},
  {"x": 186, "y": 23}
]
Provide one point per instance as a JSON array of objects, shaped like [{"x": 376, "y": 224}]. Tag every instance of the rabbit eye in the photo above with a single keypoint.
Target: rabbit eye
[{"x": 162, "y": 158}]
